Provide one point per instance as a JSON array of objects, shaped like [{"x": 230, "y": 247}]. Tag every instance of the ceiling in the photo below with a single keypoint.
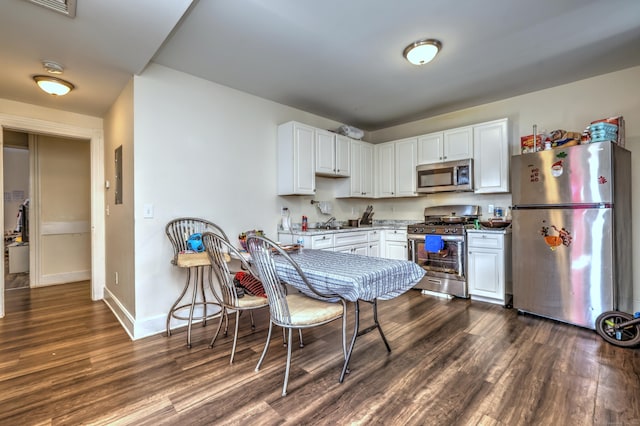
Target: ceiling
[{"x": 334, "y": 58}]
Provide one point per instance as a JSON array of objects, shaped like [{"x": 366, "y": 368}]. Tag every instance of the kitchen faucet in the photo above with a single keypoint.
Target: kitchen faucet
[{"x": 327, "y": 224}]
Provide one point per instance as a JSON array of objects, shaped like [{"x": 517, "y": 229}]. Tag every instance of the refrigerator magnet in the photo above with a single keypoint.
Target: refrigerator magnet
[{"x": 557, "y": 169}]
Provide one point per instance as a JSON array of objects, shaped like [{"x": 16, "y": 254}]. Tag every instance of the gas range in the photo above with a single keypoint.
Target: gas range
[
  {"x": 438, "y": 228},
  {"x": 446, "y": 220},
  {"x": 438, "y": 245}
]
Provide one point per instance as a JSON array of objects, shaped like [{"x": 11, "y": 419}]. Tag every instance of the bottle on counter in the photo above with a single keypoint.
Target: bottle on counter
[
  {"x": 305, "y": 223},
  {"x": 300, "y": 242}
]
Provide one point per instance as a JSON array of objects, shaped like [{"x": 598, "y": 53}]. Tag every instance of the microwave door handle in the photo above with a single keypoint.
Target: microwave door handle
[{"x": 455, "y": 175}]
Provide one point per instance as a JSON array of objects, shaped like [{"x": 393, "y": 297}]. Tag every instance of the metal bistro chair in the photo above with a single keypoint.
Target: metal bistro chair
[
  {"x": 218, "y": 250},
  {"x": 178, "y": 231},
  {"x": 292, "y": 311}
]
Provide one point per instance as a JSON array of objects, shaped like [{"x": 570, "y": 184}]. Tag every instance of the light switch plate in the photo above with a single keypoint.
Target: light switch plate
[{"x": 148, "y": 211}]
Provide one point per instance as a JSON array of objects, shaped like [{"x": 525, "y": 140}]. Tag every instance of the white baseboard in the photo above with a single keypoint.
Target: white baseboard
[{"x": 63, "y": 278}]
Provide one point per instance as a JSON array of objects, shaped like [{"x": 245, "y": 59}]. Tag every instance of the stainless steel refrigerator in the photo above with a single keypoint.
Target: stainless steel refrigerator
[{"x": 572, "y": 232}]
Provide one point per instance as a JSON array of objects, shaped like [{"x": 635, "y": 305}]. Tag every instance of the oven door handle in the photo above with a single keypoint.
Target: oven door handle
[{"x": 410, "y": 244}]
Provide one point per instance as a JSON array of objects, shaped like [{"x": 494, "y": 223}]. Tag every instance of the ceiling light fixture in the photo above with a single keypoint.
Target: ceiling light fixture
[
  {"x": 422, "y": 51},
  {"x": 53, "y": 85}
]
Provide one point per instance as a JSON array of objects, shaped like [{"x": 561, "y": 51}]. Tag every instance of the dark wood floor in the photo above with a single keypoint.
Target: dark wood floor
[{"x": 66, "y": 360}]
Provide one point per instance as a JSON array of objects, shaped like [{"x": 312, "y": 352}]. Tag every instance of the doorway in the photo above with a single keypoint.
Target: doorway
[
  {"x": 97, "y": 219},
  {"x": 15, "y": 169}
]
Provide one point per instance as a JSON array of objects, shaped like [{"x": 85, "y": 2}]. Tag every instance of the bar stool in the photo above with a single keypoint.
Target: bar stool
[{"x": 178, "y": 231}]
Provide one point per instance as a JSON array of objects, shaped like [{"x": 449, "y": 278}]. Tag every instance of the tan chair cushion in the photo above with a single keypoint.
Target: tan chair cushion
[
  {"x": 249, "y": 301},
  {"x": 305, "y": 310}
]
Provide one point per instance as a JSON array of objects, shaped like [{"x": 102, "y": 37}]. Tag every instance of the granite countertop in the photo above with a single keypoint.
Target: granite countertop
[
  {"x": 506, "y": 230},
  {"x": 377, "y": 225}
]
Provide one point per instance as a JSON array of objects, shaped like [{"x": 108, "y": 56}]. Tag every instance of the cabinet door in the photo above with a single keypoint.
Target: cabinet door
[
  {"x": 491, "y": 157},
  {"x": 386, "y": 169},
  {"x": 361, "y": 249},
  {"x": 458, "y": 144},
  {"x": 430, "y": 148},
  {"x": 406, "y": 153},
  {"x": 304, "y": 177},
  {"x": 343, "y": 155},
  {"x": 355, "y": 184},
  {"x": 325, "y": 152},
  {"x": 296, "y": 159},
  {"x": 374, "y": 249},
  {"x": 486, "y": 273},
  {"x": 367, "y": 169},
  {"x": 396, "y": 250}
]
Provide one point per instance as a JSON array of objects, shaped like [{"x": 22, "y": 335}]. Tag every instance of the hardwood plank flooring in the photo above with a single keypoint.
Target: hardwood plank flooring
[{"x": 66, "y": 360}]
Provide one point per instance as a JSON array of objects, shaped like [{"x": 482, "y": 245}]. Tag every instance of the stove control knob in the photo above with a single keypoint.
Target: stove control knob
[
  {"x": 433, "y": 230},
  {"x": 455, "y": 231}
]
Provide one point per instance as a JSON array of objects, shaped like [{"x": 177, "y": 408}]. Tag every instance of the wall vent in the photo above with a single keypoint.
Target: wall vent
[{"x": 66, "y": 7}]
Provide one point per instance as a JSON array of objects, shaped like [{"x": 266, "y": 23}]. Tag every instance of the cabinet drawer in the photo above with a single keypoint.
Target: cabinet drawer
[
  {"x": 322, "y": 242},
  {"x": 485, "y": 240},
  {"x": 395, "y": 235},
  {"x": 350, "y": 238},
  {"x": 374, "y": 236}
]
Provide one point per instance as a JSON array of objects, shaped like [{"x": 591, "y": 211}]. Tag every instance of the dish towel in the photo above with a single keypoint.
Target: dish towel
[{"x": 433, "y": 243}]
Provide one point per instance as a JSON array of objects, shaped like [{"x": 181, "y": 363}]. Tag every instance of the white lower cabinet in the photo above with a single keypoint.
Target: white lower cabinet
[
  {"x": 395, "y": 244},
  {"x": 489, "y": 266},
  {"x": 351, "y": 242},
  {"x": 374, "y": 243},
  {"x": 367, "y": 242}
]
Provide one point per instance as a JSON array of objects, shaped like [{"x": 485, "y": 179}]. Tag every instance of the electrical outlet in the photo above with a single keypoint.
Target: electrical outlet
[{"x": 490, "y": 209}]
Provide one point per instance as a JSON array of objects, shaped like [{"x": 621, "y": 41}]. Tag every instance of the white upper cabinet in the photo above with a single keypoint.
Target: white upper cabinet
[
  {"x": 343, "y": 156},
  {"x": 491, "y": 157},
  {"x": 450, "y": 145},
  {"x": 406, "y": 160},
  {"x": 397, "y": 168},
  {"x": 360, "y": 181},
  {"x": 332, "y": 154},
  {"x": 430, "y": 148},
  {"x": 386, "y": 171},
  {"x": 296, "y": 159}
]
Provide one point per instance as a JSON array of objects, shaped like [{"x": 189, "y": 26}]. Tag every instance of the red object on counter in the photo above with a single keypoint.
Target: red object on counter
[{"x": 305, "y": 223}]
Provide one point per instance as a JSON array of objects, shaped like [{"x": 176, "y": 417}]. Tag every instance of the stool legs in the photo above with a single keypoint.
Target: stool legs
[{"x": 196, "y": 280}]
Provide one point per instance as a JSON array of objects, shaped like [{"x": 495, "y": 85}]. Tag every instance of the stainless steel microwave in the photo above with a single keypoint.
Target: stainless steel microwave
[{"x": 445, "y": 177}]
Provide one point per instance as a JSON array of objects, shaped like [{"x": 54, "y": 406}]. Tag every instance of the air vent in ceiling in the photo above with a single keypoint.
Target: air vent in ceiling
[{"x": 66, "y": 7}]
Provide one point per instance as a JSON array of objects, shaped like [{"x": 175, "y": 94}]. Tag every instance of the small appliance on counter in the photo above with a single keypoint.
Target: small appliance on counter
[{"x": 286, "y": 219}]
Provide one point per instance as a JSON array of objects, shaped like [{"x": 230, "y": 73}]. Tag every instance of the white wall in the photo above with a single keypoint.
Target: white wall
[{"x": 201, "y": 150}]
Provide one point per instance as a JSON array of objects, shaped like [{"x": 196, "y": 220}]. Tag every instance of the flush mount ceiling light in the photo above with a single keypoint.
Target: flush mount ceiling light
[
  {"x": 53, "y": 85},
  {"x": 422, "y": 51}
]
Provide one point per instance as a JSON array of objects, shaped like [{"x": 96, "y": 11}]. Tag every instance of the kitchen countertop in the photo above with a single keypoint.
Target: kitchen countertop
[
  {"x": 399, "y": 225},
  {"x": 506, "y": 230}
]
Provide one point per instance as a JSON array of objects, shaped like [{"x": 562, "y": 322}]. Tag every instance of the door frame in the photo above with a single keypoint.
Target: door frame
[{"x": 96, "y": 140}]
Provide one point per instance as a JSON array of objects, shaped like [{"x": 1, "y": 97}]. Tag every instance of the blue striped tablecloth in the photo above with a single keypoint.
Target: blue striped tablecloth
[{"x": 351, "y": 276}]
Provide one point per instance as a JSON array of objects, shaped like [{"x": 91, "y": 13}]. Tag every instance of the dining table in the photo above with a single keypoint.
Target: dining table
[{"x": 356, "y": 278}]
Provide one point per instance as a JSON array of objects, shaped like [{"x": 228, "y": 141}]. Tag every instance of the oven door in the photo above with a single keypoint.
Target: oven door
[{"x": 445, "y": 269}]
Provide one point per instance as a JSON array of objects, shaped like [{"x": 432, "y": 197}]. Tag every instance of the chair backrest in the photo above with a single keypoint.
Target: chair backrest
[
  {"x": 217, "y": 247},
  {"x": 179, "y": 230},
  {"x": 262, "y": 251}
]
